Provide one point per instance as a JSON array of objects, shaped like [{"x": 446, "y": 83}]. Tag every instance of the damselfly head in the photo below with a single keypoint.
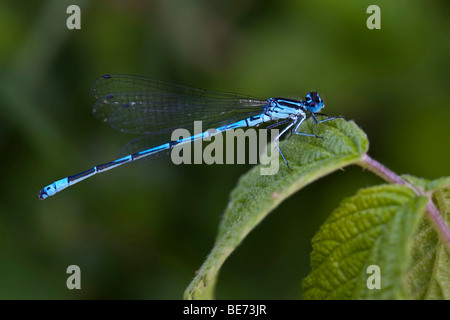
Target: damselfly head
[{"x": 313, "y": 102}]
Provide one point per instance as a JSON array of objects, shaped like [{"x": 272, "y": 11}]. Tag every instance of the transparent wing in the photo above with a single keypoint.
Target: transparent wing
[{"x": 144, "y": 106}]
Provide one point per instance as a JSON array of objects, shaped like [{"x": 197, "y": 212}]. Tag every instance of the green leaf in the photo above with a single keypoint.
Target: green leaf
[
  {"x": 428, "y": 276},
  {"x": 437, "y": 184},
  {"x": 256, "y": 195},
  {"x": 427, "y": 185},
  {"x": 375, "y": 227},
  {"x": 419, "y": 183}
]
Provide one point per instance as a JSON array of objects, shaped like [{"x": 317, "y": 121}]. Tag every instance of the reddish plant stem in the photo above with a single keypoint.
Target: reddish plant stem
[{"x": 433, "y": 213}]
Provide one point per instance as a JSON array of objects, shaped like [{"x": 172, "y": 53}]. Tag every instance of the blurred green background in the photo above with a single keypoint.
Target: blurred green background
[{"x": 142, "y": 230}]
